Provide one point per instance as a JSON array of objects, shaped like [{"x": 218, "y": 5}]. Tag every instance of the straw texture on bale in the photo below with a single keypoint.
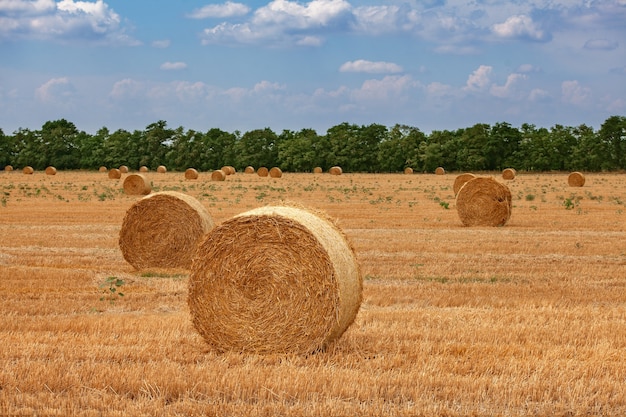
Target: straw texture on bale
[
  {"x": 576, "y": 179},
  {"x": 28, "y": 170},
  {"x": 276, "y": 172},
  {"x": 509, "y": 174},
  {"x": 318, "y": 170},
  {"x": 229, "y": 170},
  {"x": 162, "y": 230},
  {"x": 51, "y": 170},
  {"x": 249, "y": 170},
  {"x": 143, "y": 168},
  {"x": 460, "y": 180},
  {"x": 218, "y": 175},
  {"x": 161, "y": 169},
  {"x": 102, "y": 169},
  {"x": 137, "y": 184},
  {"x": 123, "y": 169},
  {"x": 336, "y": 170},
  {"x": 8, "y": 168},
  {"x": 191, "y": 174},
  {"x": 483, "y": 201},
  {"x": 262, "y": 172},
  {"x": 274, "y": 280},
  {"x": 440, "y": 171},
  {"x": 115, "y": 174},
  {"x": 408, "y": 170}
]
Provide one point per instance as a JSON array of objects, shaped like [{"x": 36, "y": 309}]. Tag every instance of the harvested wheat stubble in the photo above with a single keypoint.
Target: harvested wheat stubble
[
  {"x": 123, "y": 169},
  {"x": 460, "y": 180},
  {"x": 28, "y": 170},
  {"x": 576, "y": 179},
  {"x": 440, "y": 171},
  {"x": 483, "y": 201},
  {"x": 336, "y": 170},
  {"x": 274, "y": 280},
  {"x": 8, "y": 168},
  {"x": 191, "y": 174},
  {"x": 249, "y": 170},
  {"x": 408, "y": 170},
  {"x": 509, "y": 174},
  {"x": 162, "y": 230},
  {"x": 318, "y": 170},
  {"x": 137, "y": 184},
  {"x": 276, "y": 172},
  {"x": 51, "y": 170},
  {"x": 115, "y": 174},
  {"x": 262, "y": 172},
  {"x": 161, "y": 169},
  {"x": 218, "y": 175},
  {"x": 102, "y": 169}
]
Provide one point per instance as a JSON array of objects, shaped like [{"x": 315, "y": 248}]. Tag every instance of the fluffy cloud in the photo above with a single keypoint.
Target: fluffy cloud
[
  {"x": 519, "y": 27},
  {"x": 510, "y": 87},
  {"x": 479, "y": 79},
  {"x": 55, "y": 90},
  {"x": 362, "y": 65},
  {"x": 228, "y": 9},
  {"x": 573, "y": 93},
  {"x": 601, "y": 44},
  {"x": 168, "y": 66}
]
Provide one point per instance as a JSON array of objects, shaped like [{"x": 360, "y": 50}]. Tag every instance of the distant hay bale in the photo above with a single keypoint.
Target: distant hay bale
[
  {"x": 336, "y": 170},
  {"x": 576, "y": 179},
  {"x": 509, "y": 174},
  {"x": 123, "y": 169},
  {"x": 276, "y": 172},
  {"x": 274, "y": 280},
  {"x": 51, "y": 170},
  {"x": 228, "y": 170},
  {"x": 162, "y": 230},
  {"x": 28, "y": 170},
  {"x": 483, "y": 201},
  {"x": 218, "y": 175},
  {"x": 143, "y": 168},
  {"x": 137, "y": 184},
  {"x": 460, "y": 180},
  {"x": 440, "y": 171},
  {"x": 408, "y": 170},
  {"x": 115, "y": 174},
  {"x": 161, "y": 169},
  {"x": 318, "y": 170},
  {"x": 8, "y": 168},
  {"x": 102, "y": 169},
  {"x": 262, "y": 172},
  {"x": 249, "y": 170},
  {"x": 191, "y": 174}
]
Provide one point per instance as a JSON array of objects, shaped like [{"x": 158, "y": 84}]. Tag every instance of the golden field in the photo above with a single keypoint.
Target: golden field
[{"x": 525, "y": 319}]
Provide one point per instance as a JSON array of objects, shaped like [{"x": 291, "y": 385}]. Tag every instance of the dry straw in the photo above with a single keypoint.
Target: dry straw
[
  {"x": 262, "y": 172},
  {"x": 102, "y": 169},
  {"x": 229, "y": 170},
  {"x": 408, "y": 170},
  {"x": 143, "y": 168},
  {"x": 318, "y": 170},
  {"x": 162, "y": 230},
  {"x": 8, "y": 168},
  {"x": 274, "y": 280},
  {"x": 161, "y": 169},
  {"x": 115, "y": 174},
  {"x": 276, "y": 172},
  {"x": 509, "y": 174},
  {"x": 460, "y": 180},
  {"x": 51, "y": 170},
  {"x": 28, "y": 170},
  {"x": 336, "y": 170},
  {"x": 123, "y": 169},
  {"x": 249, "y": 170},
  {"x": 483, "y": 201},
  {"x": 191, "y": 174},
  {"x": 136, "y": 184},
  {"x": 218, "y": 175},
  {"x": 576, "y": 179},
  {"x": 440, "y": 171}
]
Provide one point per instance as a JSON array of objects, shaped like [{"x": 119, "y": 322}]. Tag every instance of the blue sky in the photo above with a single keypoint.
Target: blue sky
[{"x": 433, "y": 64}]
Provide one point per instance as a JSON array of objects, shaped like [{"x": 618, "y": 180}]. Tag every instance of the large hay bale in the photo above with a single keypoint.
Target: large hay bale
[
  {"x": 162, "y": 230},
  {"x": 318, "y": 170},
  {"x": 143, "y": 168},
  {"x": 440, "y": 171},
  {"x": 161, "y": 169},
  {"x": 229, "y": 170},
  {"x": 408, "y": 170},
  {"x": 51, "y": 170},
  {"x": 137, "y": 184},
  {"x": 102, "y": 169},
  {"x": 28, "y": 170},
  {"x": 191, "y": 174},
  {"x": 509, "y": 174},
  {"x": 274, "y": 280},
  {"x": 115, "y": 174},
  {"x": 218, "y": 175},
  {"x": 262, "y": 172},
  {"x": 8, "y": 168},
  {"x": 276, "y": 172},
  {"x": 336, "y": 170},
  {"x": 460, "y": 180},
  {"x": 483, "y": 201},
  {"x": 249, "y": 170},
  {"x": 576, "y": 179},
  {"x": 123, "y": 169}
]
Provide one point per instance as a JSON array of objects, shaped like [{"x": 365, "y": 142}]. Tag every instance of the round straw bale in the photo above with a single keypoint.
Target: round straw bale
[
  {"x": 249, "y": 170},
  {"x": 229, "y": 170},
  {"x": 28, "y": 170},
  {"x": 8, "y": 168},
  {"x": 51, "y": 170},
  {"x": 137, "y": 184},
  {"x": 408, "y": 170},
  {"x": 161, "y": 169},
  {"x": 318, "y": 170},
  {"x": 460, "y": 180},
  {"x": 276, "y": 172},
  {"x": 143, "y": 168},
  {"x": 262, "y": 172},
  {"x": 102, "y": 169},
  {"x": 440, "y": 171},
  {"x": 115, "y": 174},
  {"x": 509, "y": 174},
  {"x": 576, "y": 179},
  {"x": 162, "y": 230},
  {"x": 274, "y": 279},
  {"x": 218, "y": 175},
  {"x": 123, "y": 169},
  {"x": 483, "y": 201},
  {"x": 191, "y": 174},
  {"x": 336, "y": 170}
]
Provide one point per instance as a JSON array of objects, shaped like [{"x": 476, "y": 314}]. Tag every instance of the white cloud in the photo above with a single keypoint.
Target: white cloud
[
  {"x": 479, "y": 79},
  {"x": 169, "y": 66},
  {"x": 127, "y": 89},
  {"x": 228, "y": 9},
  {"x": 573, "y": 93},
  {"x": 510, "y": 88},
  {"x": 528, "y": 68},
  {"x": 55, "y": 89},
  {"x": 378, "y": 67},
  {"x": 601, "y": 44},
  {"x": 12, "y": 7},
  {"x": 538, "y": 94},
  {"x": 391, "y": 86},
  {"x": 519, "y": 27},
  {"x": 161, "y": 44}
]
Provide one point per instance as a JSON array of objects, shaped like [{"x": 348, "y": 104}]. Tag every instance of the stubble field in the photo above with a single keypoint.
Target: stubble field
[{"x": 525, "y": 319}]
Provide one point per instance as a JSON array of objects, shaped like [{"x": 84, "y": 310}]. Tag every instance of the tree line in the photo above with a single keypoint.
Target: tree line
[{"x": 366, "y": 148}]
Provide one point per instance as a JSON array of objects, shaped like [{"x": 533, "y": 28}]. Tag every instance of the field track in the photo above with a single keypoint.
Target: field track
[{"x": 525, "y": 319}]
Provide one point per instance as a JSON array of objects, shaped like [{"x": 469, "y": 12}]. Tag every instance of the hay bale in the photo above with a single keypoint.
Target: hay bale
[
  {"x": 123, "y": 169},
  {"x": 228, "y": 170},
  {"x": 249, "y": 170},
  {"x": 115, "y": 174},
  {"x": 262, "y": 172},
  {"x": 137, "y": 184},
  {"x": 51, "y": 170},
  {"x": 274, "y": 279},
  {"x": 460, "y": 180},
  {"x": 218, "y": 175},
  {"x": 336, "y": 170},
  {"x": 318, "y": 170},
  {"x": 483, "y": 201},
  {"x": 28, "y": 170},
  {"x": 102, "y": 169},
  {"x": 408, "y": 170},
  {"x": 276, "y": 172},
  {"x": 191, "y": 174},
  {"x": 440, "y": 171},
  {"x": 509, "y": 174},
  {"x": 8, "y": 168},
  {"x": 576, "y": 179},
  {"x": 161, "y": 169},
  {"x": 162, "y": 230},
  {"x": 143, "y": 168}
]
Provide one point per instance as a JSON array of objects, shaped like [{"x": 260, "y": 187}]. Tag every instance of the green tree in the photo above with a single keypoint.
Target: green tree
[
  {"x": 472, "y": 155},
  {"x": 58, "y": 144},
  {"x": 296, "y": 150},
  {"x": 218, "y": 149},
  {"x": 257, "y": 148},
  {"x": 400, "y": 149},
  {"x": 152, "y": 144},
  {"x": 613, "y": 133},
  {"x": 502, "y": 146}
]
